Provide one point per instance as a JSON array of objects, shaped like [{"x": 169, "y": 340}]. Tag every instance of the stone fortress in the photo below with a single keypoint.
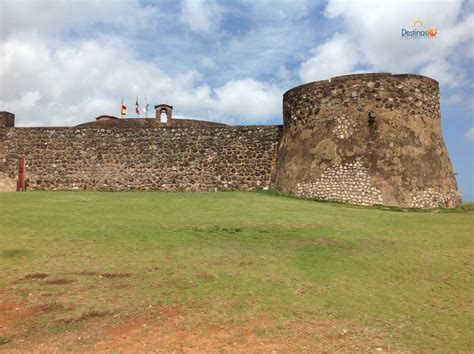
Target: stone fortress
[{"x": 362, "y": 139}]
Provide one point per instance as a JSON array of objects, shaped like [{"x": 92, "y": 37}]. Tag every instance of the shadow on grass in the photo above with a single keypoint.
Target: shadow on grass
[{"x": 12, "y": 253}]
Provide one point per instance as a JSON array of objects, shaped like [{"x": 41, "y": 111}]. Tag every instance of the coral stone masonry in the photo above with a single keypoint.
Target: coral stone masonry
[
  {"x": 165, "y": 158},
  {"x": 7, "y": 120},
  {"x": 366, "y": 139},
  {"x": 362, "y": 139}
]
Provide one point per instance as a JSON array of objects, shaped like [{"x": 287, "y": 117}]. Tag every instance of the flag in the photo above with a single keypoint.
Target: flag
[
  {"x": 145, "y": 109},
  {"x": 137, "y": 108},
  {"x": 123, "y": 111}
]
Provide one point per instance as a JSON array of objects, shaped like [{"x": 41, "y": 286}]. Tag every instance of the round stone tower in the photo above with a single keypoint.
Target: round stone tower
[{"x": 366, "y": 139}]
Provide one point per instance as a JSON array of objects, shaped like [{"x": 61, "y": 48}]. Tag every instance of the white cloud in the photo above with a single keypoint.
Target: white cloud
[
  {"x": 283, "y": 73},
  {"x": 254, "y": 100},
  {"x": 470, "y": 50},
  {"x": 444, "y": 73},
  {"x": 77, "y": 60},
  {"x": 455, "y": 98},
  {"x": 374, "y": 28},
  {"x": 51, "y": 17},
  {"x": 469, "y": 136},
  {"x": 73, "y": 84},
  {"x": 203, "y": 16},
  {"x": 264, "y": 48},
  {"x": 337, "y": 56},
  {"x": 208, "y": 63},
  {"x": 280, "y": 10}
]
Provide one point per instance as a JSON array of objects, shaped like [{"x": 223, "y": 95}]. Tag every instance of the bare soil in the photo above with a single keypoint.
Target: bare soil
[{"x": 170, "y": 329}]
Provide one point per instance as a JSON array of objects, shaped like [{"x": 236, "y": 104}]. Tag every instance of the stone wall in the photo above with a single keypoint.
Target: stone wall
[
  {"x": 7, "y": 120},
  {"x": 165, "y": 158},
  {"x": 7, "y": 183},
  {"x": 366, "y": 139}
]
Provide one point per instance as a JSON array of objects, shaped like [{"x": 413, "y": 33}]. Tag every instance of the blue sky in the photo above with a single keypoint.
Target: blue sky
[{"x": 66, "y": 62}]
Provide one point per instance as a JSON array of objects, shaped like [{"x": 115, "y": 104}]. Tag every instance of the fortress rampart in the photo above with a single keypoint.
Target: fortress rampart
[
  {"x": 366, "y": 139},
  {"x": 362, "y": 139},
  {"x": 122, "y": 159}
]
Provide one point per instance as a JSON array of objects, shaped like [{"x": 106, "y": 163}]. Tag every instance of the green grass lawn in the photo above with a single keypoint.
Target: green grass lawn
[{"x": 390, "y": 279}]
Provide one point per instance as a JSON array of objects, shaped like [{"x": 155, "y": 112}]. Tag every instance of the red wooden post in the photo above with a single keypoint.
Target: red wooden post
[{"x": 21, "y": 175}]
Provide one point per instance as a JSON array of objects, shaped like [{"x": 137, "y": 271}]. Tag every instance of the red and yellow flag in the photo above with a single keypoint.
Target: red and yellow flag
[{"x": 123, "y": 111}]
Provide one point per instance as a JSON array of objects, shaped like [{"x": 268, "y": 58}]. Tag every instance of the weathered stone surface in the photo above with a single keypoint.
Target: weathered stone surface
[
  {"x": 7, "y": 120},
  {"x": 164, "y": 158},
  {"x": 366, "y": 139},
  {"x": 114, "y": 122},
  {"x": 349, "y": 183},
  {"x": 7, "y": 184}
]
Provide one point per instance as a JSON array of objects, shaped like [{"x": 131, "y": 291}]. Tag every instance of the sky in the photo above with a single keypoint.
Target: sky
[{"x": 65, "y": 62}]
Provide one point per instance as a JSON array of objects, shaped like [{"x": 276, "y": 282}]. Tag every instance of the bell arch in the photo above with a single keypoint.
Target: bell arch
[{"x": 164, "y": 108}]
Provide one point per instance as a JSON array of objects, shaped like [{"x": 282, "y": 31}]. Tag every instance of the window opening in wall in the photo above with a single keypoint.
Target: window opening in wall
[{"x": 163, "y": 117}]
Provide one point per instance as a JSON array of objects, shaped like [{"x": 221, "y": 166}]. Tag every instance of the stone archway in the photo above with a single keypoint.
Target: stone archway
[{"x": 164, "y": 108}]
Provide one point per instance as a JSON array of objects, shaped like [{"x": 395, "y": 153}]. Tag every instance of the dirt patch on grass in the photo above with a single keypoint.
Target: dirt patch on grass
[
  {"x": 205, "y": 276},
  {"x": 232, "y": 230},
  {"x": 216, "y": 229},
  {"x": 245, "y": 264},
  {"x": 17, "y": 315},
  {"x": 116, "y": 275},
  {"x": 189, "y": 334},
  {"x": 10, "y": 312},
  {"x": 302, "y": 289},
  {"x": 10, "y": 306},
  {"x": 13, "y": 311},
  {"x": 169, "y": 311},
  {"x": 54, "y": 306},
  {"x": 85, "y": 273},
  {"x": 59, "y": 281},
  {"x": 129, "y": 327},
  {"x": 96, "y": 274},
  {"x": 186, "y": 330},
  {"x": 176, "y": 284},
  {"x": 84, "y": 317},
  {"x": 119, "y": 286},
  {"x": 139, "y": 323},
  {"x": 36, "y": 276}
]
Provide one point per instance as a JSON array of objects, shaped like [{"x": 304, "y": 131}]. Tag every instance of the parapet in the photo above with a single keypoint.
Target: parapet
[
  {"x": 114, "y": 122},
  {"x": 7, "y": 120},
  {"x": 105, "y": 118},
  {"x": 359, "y": 77}
]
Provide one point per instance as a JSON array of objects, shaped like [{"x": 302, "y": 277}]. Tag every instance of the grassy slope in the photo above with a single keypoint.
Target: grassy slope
[{"x": 406, "y": 276}]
